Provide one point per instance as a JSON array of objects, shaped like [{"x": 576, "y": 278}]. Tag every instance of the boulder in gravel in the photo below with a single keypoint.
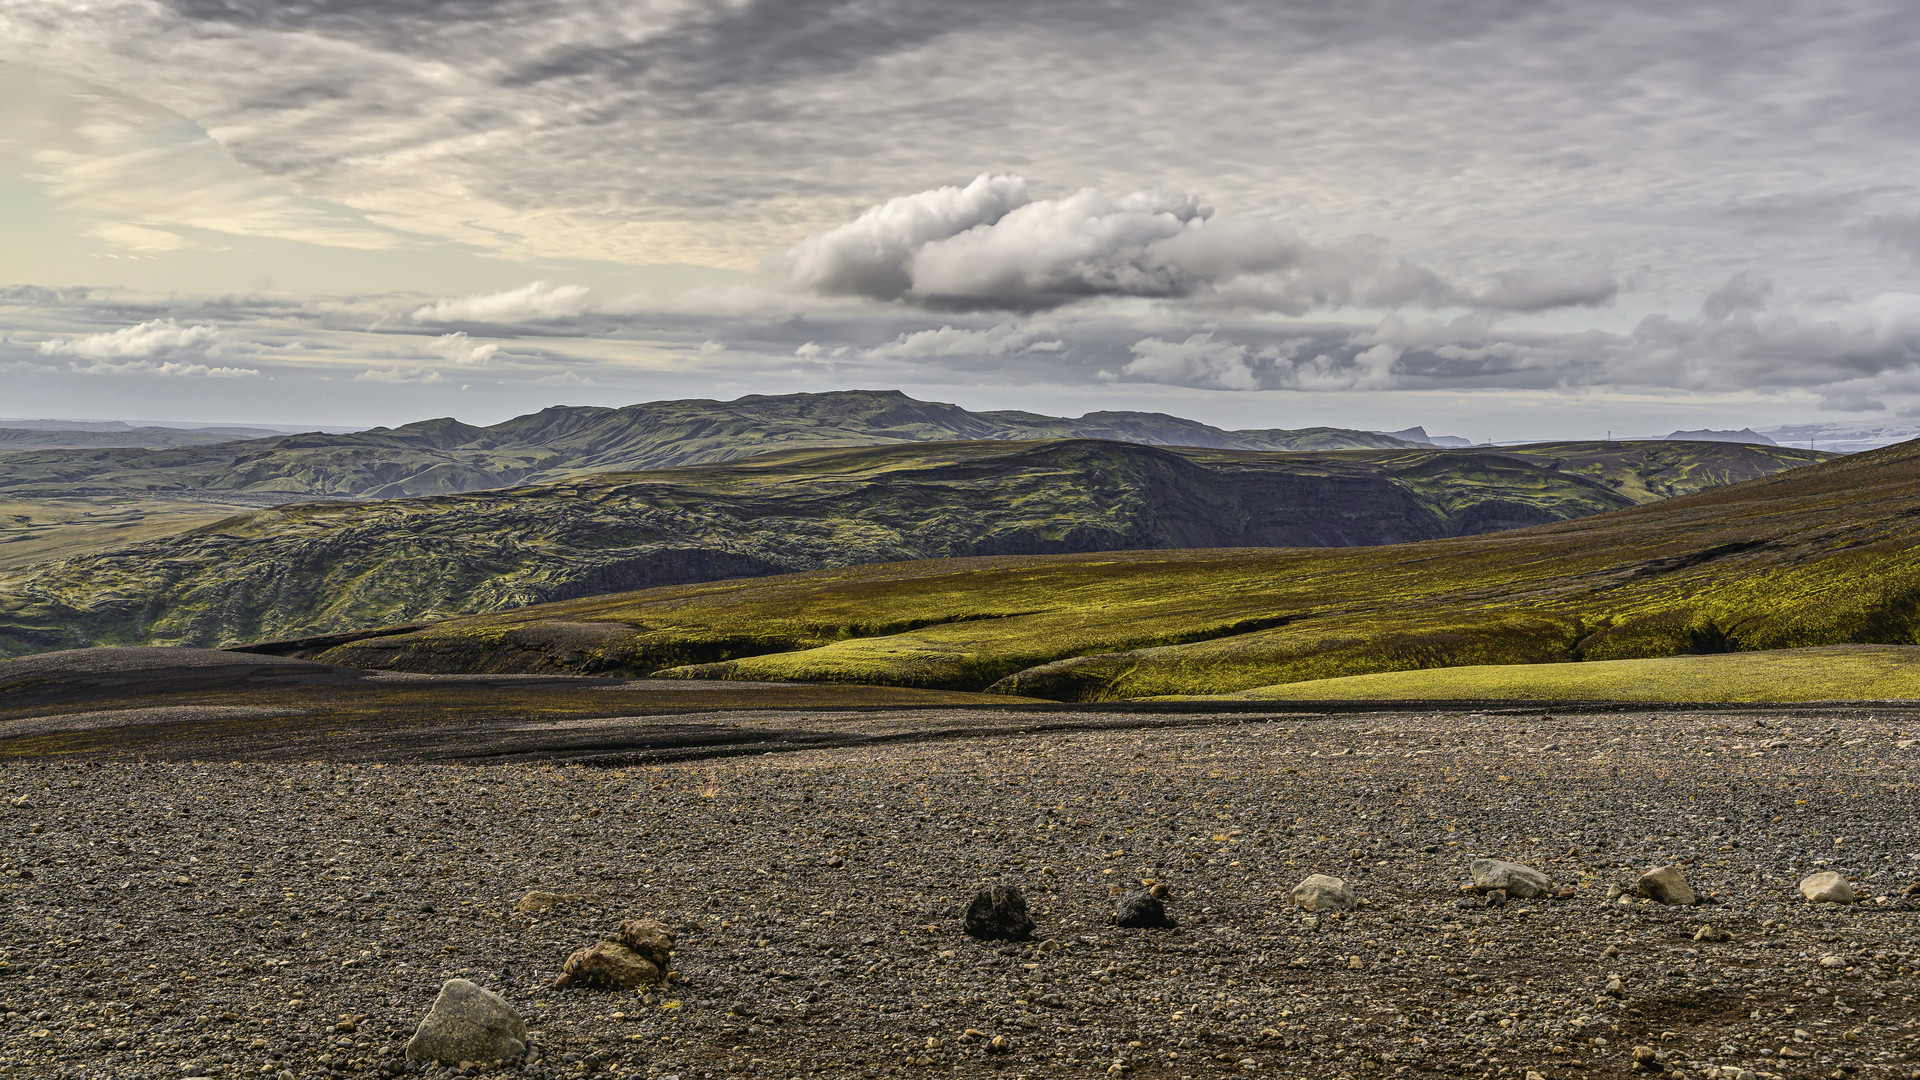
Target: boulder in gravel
[
  {"x": 638, "y": 955},
  {"x": 469, "y": 1023},
  {"x": 1826, "y": 887},
  {"x": 1666, "y": 885},
  {"x": 999, "y": 913},
  {"x": 1142, "y": 910},
  {"x": 1517, "y": 881},
  {"x": 1320, "y": 892}
]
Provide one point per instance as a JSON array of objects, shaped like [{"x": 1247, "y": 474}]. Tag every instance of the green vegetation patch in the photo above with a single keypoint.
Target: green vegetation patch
[
  {"x": 1829, "y": 673},
  {"x": 1825, "y": 555}
]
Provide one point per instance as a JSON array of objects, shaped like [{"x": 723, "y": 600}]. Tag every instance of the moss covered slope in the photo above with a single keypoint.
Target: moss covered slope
[
  {"x": 334, "y": 567},
  {"x": 1824, "y": 555}
]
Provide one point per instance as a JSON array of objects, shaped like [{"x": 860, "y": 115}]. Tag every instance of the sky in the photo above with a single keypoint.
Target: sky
[{"x": 1505, "y": 219}]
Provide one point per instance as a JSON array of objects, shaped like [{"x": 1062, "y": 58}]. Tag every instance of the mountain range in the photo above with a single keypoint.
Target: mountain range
[
  {"x": 436, "y": 457},
  {"x": 1822, "y": 555},
  {"x": 335, "y": 567}
]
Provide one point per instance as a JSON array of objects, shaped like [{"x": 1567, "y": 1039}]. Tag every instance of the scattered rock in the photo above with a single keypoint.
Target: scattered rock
[
  {"x": 1142, "y": 910},
  {"x": 1519, "y": 882},
  {"x": 468, "y": 1023},
  {"x": 999, "y": 913},
  {"x": 538, "y": 901},
  {"x": 1320, "y": 892},
  {"x": 639, "y": 955},
  {"x": 1710, "y": 932},
  {"x": 1666, "y": 885},
  {"x": 1826, "y": 887}
]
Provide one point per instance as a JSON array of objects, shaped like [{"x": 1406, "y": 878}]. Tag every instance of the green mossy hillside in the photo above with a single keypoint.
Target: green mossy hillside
[
  {"x": 1824, "y": 555},
  {"x": 328, "y": 568}
]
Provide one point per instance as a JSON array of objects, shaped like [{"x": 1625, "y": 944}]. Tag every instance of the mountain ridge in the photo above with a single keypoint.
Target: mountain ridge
[{"x": 445, "y": 456}]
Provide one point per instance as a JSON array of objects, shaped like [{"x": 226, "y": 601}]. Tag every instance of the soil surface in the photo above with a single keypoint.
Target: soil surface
[{"x": 296, "y": 916}]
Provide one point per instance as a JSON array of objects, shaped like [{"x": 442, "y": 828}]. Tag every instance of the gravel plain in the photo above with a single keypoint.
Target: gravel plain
[{"x": 239, "y": 919}]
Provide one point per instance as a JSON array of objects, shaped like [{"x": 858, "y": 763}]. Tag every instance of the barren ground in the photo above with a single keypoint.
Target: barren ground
[{"x": 222, "y": 919}]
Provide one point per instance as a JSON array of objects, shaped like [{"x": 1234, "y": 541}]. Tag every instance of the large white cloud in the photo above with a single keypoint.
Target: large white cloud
[
  {"x": 1003, "y": 339},
  {"x": 152, "y": 339},
  {"x": 537, "y": 301},
  {"x": 990, "y": 245}
]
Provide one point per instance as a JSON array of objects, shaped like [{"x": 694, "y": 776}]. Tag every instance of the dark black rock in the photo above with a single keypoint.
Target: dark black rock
[
  {"x": 999, "y": 914},
  {"x": 1142, "y": 910}
]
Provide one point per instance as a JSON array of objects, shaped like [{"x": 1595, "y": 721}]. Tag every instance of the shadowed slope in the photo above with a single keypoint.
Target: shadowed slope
[{"x": 1829, "y": 554}]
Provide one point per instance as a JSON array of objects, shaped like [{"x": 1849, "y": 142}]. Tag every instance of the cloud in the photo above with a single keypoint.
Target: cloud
[
  {"x": 1510, "y": 291},
  {"x": 461, "y": 349},
  {"x": 537, "y": 301},
  {"x": 149, "y": 340},
  {"x": 990, "y": 245},
  {"x": 398, "y": 375},
  {"x": 162, "y": 367},
  {"x": 1197, "y": 361},
  {"x": 1001, "y": 340}
]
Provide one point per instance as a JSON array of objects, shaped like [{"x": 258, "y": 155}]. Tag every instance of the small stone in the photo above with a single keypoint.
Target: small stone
[
  {"x": 1831, "y": 961},
  {"x": 1616, "y": 987},
  {"x": 468, "y": 1023},
  {"x": 1666, "y": 885},
  {"x": 1519, "y": 882},
  {"x": 1643, "y": 1058},
  {"x": 1710, "y": 932},
  {"x": 1826, "y": 887},
  {"x": 999, "y": 914},
  {"x": 1320, "y": 892},
  {"x": 539, "y": 901},
  {"x": 999, "y": 1045},
  {"x": 1141, "y": 910}
]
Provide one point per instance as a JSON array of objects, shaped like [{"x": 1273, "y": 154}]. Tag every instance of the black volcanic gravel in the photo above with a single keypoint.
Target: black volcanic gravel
[{"x": 241, "y": 920}]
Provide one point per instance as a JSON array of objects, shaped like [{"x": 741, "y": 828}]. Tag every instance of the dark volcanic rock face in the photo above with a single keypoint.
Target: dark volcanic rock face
[{"x": 235, "y": 920}]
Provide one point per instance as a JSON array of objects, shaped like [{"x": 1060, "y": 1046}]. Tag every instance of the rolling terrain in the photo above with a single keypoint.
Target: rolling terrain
[
  {"x": 435, "y": 457},
  {"x": 325, "y": 568},
  {"x": 1825, "y": 555}
]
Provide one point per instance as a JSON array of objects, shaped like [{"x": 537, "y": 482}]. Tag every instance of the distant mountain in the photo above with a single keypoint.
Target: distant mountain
[
  {"x": 1419, "y": 435},
  {"x": 1744, "y": 435},
  {"x": 1843, "y": 438},
  {"x": 445, "y": 456},
  {"x": 94, "y": 434},
  {"x": 333, "y": 567}
]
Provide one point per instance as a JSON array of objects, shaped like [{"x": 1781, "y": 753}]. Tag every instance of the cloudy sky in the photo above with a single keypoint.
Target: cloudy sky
[{"x": 1497, "y": 218}]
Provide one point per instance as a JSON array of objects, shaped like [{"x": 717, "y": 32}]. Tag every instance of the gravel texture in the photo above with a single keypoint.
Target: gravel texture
[{"x": 263, "y": 919}]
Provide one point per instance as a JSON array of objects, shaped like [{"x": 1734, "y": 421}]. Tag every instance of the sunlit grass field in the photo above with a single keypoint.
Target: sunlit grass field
[{"x": 1827, "y": 673}]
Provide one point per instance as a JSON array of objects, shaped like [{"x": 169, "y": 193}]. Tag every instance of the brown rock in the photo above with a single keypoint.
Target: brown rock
[
  {"x": 649, "y": 939},
  {"x": 1665, "y": 885},
  {"x": 608, "y": 966}
]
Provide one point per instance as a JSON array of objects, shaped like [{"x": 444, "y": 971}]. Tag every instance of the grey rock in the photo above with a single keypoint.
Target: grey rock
[
  {"x": 468, "y": 1023},
  {"x": 1320, "y": 892},
  {"x": 1826, "y": 887},
  {"x": 1519, "y": 882}
]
